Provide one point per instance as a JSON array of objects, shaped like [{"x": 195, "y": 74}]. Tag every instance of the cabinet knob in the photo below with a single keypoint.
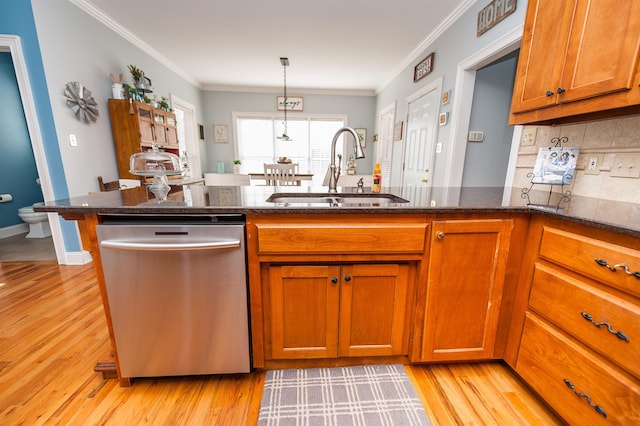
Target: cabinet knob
[
  {"x": 560, "y": 90},
  {"x": 440, "y": 235},
  {"x": 347, "y": 278},
  {"x": 549, "y": 93},
  {"x": 334, "y": 280},
  {"x": 425, "y": 180}
]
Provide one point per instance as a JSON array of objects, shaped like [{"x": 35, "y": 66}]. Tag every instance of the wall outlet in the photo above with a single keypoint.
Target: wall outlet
[
  {"x": 529, "y": 136},
  {"x": 592, "y": 164},
  {"x": 72, "y": 140}
]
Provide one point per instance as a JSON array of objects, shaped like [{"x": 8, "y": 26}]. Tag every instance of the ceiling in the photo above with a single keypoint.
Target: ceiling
[{"x": 352, "y": 45}]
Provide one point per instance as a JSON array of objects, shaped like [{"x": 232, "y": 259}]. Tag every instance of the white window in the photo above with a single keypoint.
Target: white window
[{"x": 256, "y": 138}]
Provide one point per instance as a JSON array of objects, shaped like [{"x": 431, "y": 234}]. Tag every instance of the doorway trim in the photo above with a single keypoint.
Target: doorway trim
[
  {"x": 462, "y": 102},
  {"x": 12, "y": 44},
  {"x": 180, "y": 103}
]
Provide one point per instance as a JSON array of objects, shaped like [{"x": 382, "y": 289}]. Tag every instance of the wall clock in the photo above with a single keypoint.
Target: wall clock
[{"x": 81, "y": 102}]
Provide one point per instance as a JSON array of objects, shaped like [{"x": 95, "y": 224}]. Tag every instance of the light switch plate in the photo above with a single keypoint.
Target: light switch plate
[
  {"x": 528, "y": 136},
  {"x": 475, "y": 136},
  {"x": 626, "y": 165}
]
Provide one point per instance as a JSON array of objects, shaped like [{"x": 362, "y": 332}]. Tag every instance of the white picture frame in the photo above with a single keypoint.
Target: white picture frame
[
  {"x": 220, "y": 133},
  {"x": 294, "y": 103}
]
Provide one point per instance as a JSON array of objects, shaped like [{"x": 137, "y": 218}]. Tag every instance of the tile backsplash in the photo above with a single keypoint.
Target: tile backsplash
[{"x": 611, "y": 147}]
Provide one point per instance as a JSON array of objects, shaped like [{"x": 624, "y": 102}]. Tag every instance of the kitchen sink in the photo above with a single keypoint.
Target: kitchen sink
[{"x": 334, "y": 199}]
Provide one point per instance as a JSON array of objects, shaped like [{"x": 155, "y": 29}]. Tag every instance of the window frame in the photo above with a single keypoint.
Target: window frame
[{"x": 236, "y": 115}]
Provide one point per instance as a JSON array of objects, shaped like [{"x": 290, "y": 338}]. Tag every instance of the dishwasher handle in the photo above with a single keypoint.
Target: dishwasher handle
[{"x": 150, "y": 246}]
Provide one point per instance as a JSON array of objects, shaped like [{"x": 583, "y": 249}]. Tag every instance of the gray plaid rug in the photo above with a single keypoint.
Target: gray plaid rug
[{"x": 365, "y": 395}]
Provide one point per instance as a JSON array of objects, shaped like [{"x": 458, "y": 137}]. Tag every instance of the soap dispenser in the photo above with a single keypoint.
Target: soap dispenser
[{"x": 376, "y": 184}]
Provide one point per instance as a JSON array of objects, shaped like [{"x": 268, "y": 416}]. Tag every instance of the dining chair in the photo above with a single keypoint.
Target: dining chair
[
  {"x": 108, "y": 186},
  {"x": 281, "y": 174}
]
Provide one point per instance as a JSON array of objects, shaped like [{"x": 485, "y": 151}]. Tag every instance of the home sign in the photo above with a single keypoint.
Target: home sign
[{"x": 493, "y": 13}]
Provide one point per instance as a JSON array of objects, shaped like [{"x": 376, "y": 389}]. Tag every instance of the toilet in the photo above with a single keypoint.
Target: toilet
[{"x": 38, "y": 222}]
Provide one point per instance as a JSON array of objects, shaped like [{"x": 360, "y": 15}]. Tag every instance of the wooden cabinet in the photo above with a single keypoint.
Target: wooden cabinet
[
  {"x": 328, "y": 311},
  {"x": 580, "y": 330},
  {"x": 333, "y": 286},
  {"x": 137, "y": 126},
  {"x": 466, "y": 276},
  {"x": 577, "y": 57}
]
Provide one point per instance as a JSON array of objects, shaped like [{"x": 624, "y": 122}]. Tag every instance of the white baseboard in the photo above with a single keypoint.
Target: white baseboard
[
  {"x": 76, "y": 258},
  {"x": 10, "y": 231}
]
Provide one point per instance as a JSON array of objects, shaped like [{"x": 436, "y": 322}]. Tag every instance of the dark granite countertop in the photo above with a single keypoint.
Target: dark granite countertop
[{"x": 198, "y": 199}]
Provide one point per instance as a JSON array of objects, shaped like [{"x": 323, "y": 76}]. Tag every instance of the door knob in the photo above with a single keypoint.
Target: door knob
[
  {"x": 549, "y": 93},
  {"x": 560, "y": 90},
  {"x": 347, "y": 278},
  {"x": 334, "y": 280}
]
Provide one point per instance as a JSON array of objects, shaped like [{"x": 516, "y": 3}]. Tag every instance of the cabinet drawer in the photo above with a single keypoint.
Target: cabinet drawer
[
  {"x": 571, "y": 303},
  {"x": 583, "y": 254},
  {"x": 320, "y": 238},
  {"x": 550, "y": 362}
]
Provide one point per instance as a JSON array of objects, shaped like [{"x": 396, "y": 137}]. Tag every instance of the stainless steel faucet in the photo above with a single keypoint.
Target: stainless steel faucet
[{"x": 334, "y": 171}]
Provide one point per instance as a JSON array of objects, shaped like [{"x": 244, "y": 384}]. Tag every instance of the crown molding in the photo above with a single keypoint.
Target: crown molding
[
  {"x": 292, "y": 91},
  {"x": 105, "y": 19},
  {"x": 418, "y": 51}
]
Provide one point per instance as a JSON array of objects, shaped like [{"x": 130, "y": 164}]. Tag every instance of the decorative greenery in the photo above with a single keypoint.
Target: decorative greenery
[
  {"x": 164, "y": 103},
  {"x": 237, "y": 162},
  {"x": 136, "y": 73}
]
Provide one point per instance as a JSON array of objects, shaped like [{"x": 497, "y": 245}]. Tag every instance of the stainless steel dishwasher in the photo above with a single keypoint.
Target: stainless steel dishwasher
[{"x": 177, "y": 291}]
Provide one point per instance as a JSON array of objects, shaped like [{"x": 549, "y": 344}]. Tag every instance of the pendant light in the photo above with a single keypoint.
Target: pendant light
[{"x": 285, "y": 63}]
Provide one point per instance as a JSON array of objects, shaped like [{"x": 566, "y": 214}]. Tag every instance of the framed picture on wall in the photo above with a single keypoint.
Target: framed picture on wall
[
  {"x": 294, "y": 103},
  {"x": 220, "y": 133},
  {"x": 397, "y": 131},
  {"x": 362, "y": 134}
]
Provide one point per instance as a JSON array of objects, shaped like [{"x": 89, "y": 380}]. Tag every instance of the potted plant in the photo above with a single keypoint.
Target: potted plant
[
  {"x": 164, "y": 103},
  {"x": 136, "y": 74},
  {"x": 236, "y": 166}
]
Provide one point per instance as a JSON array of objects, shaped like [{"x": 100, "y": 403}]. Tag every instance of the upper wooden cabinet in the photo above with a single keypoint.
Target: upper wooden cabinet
[
  {"x": 577, "y": 57},
  {"x": 137, "y": 126}
]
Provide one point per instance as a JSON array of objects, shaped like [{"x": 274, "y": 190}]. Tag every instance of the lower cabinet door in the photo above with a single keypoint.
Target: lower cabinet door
[
  {"x": 467, "y": 266},
  {"x": 581, "y": 386},
  {"x": 304, "y": 311},
  {"x": 329, "y": 311},
  {"x": 373, "y": 308}
]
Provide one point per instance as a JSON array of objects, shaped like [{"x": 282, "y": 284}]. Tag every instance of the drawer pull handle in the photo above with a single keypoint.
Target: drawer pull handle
[
  {"x": 613, "y": 268},
  {"x": 596, "y": 407},
  {"x": 619, "y": 334}
]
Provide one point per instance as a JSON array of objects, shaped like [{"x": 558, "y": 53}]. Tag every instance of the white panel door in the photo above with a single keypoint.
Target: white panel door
[{"x": 422, "y": 125}]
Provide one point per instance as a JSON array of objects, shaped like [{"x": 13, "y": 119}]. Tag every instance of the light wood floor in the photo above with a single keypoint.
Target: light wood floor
[{"x": 53, "y": 332}]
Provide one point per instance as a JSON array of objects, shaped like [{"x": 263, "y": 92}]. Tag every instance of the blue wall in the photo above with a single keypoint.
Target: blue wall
[
  {"x": 18, "y": 172},
  {"x": 17, "y": 19}
]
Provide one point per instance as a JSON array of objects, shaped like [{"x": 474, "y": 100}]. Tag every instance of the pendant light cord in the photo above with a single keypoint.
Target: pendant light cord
[{"x": 285, "y": 98}]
